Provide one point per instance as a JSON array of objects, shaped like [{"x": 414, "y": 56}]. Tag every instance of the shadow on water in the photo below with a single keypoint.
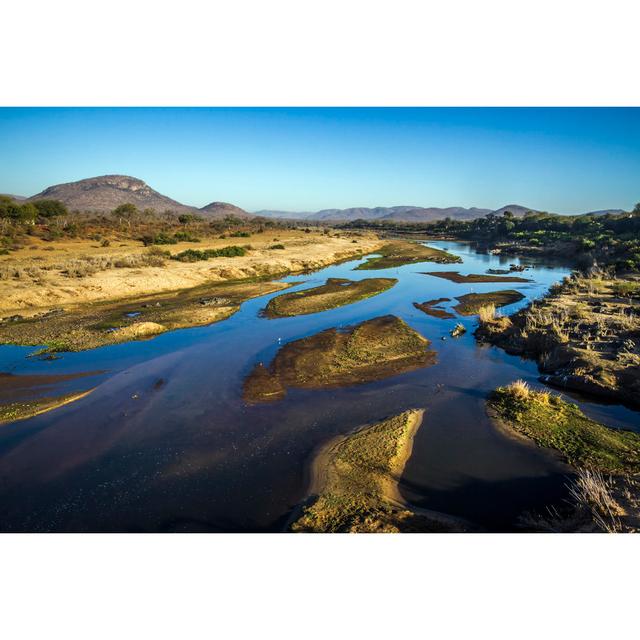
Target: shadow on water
[{"x": 189, "y": 455}]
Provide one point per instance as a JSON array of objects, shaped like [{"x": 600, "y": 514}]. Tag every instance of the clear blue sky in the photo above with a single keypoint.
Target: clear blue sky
[{"x": 563, "y": 160}]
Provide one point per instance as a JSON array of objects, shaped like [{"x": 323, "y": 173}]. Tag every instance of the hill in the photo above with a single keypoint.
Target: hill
[
  {"x": 105, "y": 193},
  {"x": 223, "y": 209}
]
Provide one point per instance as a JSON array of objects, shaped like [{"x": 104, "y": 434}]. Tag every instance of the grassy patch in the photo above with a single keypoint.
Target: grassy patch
[
  {"x": 396, "y": 254},
  {"x": 471, "y": 303},
  {"x": 553, "y": 423},
  {"x": 372, "y": 350},
  {"x": 335, "y": 293},
  {"x": 356, "y": 477}
]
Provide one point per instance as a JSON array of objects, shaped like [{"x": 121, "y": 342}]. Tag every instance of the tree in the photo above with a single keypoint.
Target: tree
[
  {"x": 507, "y": 214},
  {"x": 50, "y": 208},
  {"x": 636, "y": 210},
  {"x": 125, "y": 212}
]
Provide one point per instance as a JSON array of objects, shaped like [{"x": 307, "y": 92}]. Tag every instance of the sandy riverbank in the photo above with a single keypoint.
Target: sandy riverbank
[{"x": 34, "y": 279}]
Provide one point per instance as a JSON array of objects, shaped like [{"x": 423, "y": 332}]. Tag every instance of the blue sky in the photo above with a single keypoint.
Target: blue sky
[{"x": 567, "y": 160}]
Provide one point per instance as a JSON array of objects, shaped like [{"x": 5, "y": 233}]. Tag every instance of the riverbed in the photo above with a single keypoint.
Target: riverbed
[{"x": 165, "y": 441}]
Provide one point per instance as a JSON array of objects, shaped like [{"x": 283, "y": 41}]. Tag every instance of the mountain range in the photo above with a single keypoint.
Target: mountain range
[
  {"x": 102, "y": 194},
  {"x": 400, "y": 213}
]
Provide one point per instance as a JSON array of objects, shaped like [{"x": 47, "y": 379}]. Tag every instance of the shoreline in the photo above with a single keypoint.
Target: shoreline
[
  {"x": 89, "y": 321},
  {"x": 396, "y": 513}
]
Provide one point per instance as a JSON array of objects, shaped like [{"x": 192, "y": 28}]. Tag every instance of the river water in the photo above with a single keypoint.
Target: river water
[{"x": 166, "y": 443}]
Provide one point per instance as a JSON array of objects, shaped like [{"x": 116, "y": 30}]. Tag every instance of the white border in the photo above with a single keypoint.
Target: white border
[
  {"x": 285, "y": 52},
  {"x": 334, "y": 52}
]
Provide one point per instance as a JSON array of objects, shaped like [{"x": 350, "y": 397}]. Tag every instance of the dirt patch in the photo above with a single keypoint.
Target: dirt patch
[
  {"x": 372, "y": 350},
  {"x": 337, "y": 292},
  {"x": 456, "y": 276},
  {"x": 431, "y": 309}
]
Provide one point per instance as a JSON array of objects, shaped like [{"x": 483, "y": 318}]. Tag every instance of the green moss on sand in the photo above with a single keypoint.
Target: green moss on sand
[
  {"x": 559, "y": 425},
  {"x": 355, "y": 479},
  {"x": 372, "y": 350},
  {"x": 398, "y": 253},
  {"x": 336, "y": 292}
]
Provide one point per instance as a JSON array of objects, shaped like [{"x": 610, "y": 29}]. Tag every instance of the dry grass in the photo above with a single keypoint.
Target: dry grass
[
  {"x": 520, "y": 389},
  {"x": 593, "y": 492},
  {"x": 487, "y": 313}
]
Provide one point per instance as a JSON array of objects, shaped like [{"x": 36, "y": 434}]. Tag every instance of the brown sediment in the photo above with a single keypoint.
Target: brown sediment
[
  {"x": 456, "y": 276},
  {"x": 471, "y": 303},
  {"x": 372, "y": 350},
  {"x": 16, "y": 386},
  {"x": 15, "y": 411},
  {"x": 355, "y": 483},
  {"x": 429, "y": 307},
  {"x": 337, "y": 292},
  {"x": 401, "y": 252}
]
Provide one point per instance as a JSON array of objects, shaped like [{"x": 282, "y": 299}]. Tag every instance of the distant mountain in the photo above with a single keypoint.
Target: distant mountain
[
  {"x": 400, "y": 213},
  {"x": 430, "y": 214},
  {"x": 222, "y": 209},
  {"x": 288, "y": 215},
  {"x": 517, "y": 210},
  {"x": 604, "y": 212},
  {"x": 408, "y": 213},
  {"x": 105, "y": 193},
  {"x": 10, "y": 195}
]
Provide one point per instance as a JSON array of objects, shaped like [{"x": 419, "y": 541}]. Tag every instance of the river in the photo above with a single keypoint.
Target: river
[{"x": 166, "y": 443}]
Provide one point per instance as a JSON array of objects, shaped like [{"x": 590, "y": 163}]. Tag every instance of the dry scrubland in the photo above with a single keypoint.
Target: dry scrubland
[
  {"x": 76, "y": 294},
  {"x": 605, "y": 491},
  {"x": 585, "y": 335}
]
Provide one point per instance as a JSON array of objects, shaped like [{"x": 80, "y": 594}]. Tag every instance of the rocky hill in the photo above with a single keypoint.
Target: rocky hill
[{"x": 105, "y": 193}]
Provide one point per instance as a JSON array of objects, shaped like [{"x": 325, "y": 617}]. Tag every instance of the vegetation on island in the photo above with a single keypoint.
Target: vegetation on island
[
  {"x": 553, "y": 423},
  {"x": 401, "y": 252},
  {"x": 471, "y": 303},
  {"x": 337, "y": 292},
  {"x": 355, "y": 486},
  {"x": 372, "y": 350},
  {"x": 585, "y": 335},
  {"x": 604, "y": 493}
]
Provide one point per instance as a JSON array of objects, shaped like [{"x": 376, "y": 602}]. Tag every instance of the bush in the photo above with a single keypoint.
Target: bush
[
  {"x": 50, "y": 208},
  {"x": 277, "y": 246},
  {"x": 184, "y": 236},
  {"x": 196, "y": 255}
]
